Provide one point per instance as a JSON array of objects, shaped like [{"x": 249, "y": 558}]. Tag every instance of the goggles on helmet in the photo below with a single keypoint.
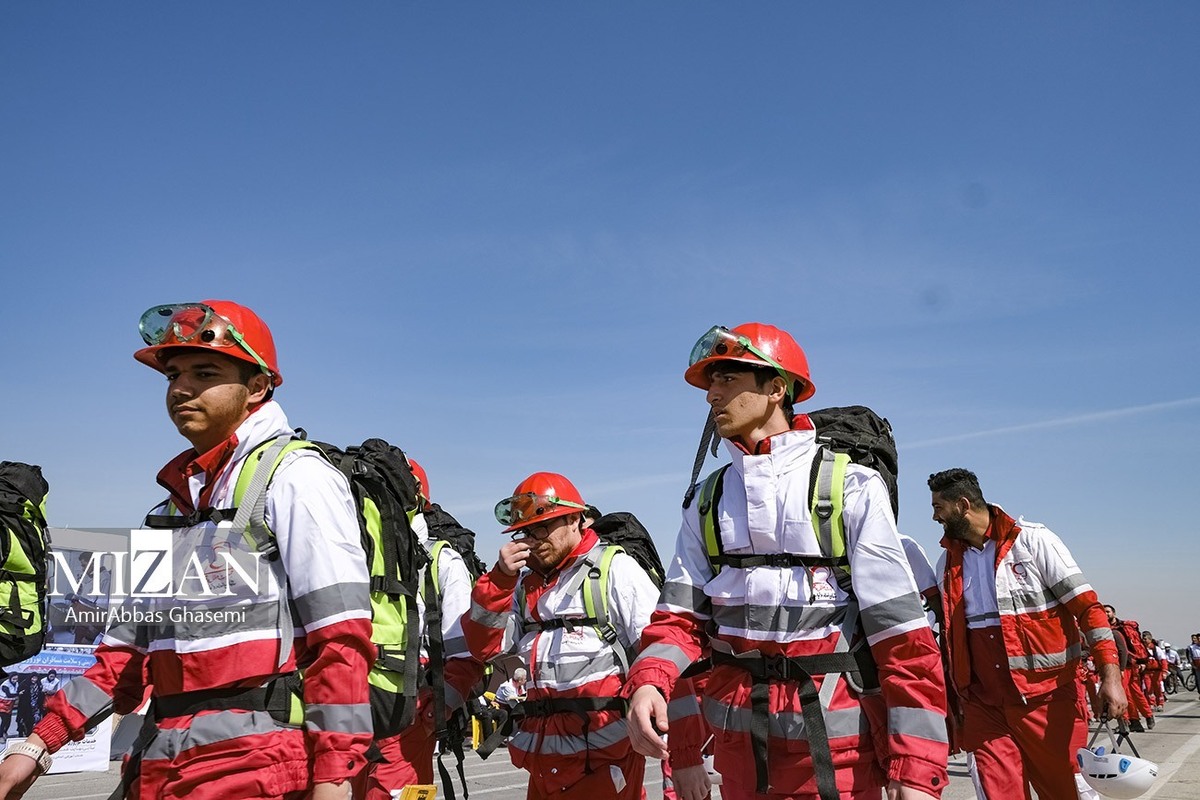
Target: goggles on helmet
[
  {"x": 193, "y": 323},
  {"x": 720, "y": 342},
  {"x": 528, "y": 507}
]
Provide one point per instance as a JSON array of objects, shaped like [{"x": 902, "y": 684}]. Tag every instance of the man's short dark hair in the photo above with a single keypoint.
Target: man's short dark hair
[
  {"x": 955, "y": 483},
  {"x": 762, "y": 376},
  {"x": 246, "y": 371}
]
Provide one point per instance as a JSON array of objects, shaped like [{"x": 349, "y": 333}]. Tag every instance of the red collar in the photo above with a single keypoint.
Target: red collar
[
  {"x": 800, "y": 422},
  {"x": 174, "y": 476}
]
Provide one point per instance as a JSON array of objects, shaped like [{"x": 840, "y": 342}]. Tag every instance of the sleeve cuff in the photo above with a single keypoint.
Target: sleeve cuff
[
  {"x": 335, "y": 767},
  {"x": 685, "y": 756},
  {"x": 503, "y": 580},
  {"x": 53, "y": 731},
  {"x": 919, "y": 774}
]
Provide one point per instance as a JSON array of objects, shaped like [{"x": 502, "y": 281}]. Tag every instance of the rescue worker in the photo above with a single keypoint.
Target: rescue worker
[
  {"x": 1132, "y": 666},
  {"x": 571, "y": 733},
  {"x": 1014, "y": 603},
  {"x": 1152, "y": 677},
  {"x": 226, "y": 721},
  {"x": 1193, "y": 654},
  {"x": 407, "y": 757},
  {"x": 772, "y": 620}
]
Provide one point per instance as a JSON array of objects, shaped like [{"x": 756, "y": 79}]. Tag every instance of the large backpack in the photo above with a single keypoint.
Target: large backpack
[
  {"x": 24, "y": 553},
  {"x": 1133, "y": 635},
  {"x": 624, "y": 529},
  {"x": 844, "y": 435}
]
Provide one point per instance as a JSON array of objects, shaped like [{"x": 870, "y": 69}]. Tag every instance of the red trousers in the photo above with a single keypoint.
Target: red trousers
[
  {"x": 1019, "y": 745},
  {"x": 731, "y": 792},
  {"x": 408, "y": 760},
  {"x": 1138, "y": 705},
  {"x": 613, "y": 781},
  {"x": 1152, "y": 684}
]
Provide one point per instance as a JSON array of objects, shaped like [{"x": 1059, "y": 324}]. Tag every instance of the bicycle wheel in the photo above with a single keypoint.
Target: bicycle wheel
[
  {"x": 1189, "y": 681},
  {"x": 1170, "y": 685}
]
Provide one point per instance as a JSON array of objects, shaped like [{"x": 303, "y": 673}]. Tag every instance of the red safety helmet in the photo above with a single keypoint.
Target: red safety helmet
[
  {"x": 419, "y": 471},
  {"x": 220, "y": 325},
  {"x": 541, "y": 496},
  {"x": 752, "y": 343}
]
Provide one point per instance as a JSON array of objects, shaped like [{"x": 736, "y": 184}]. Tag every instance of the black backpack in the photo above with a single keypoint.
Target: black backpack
[
  {"x": 863, "y": 435},
  {"x": 624, "y": 529},
  {"x": 24, "y": 553},
  {"x": 445, "y": 527}
]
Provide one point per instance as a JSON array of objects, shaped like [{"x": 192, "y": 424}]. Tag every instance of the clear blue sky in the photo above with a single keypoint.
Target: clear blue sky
[{"x": 491, "y": 232}]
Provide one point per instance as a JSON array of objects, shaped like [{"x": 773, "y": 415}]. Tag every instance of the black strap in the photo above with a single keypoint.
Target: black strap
[
  {"x": 172, "y": 521},
  {"x": 763, "y": 671},
  {"x": 275, "y": 698},
  {"x": 779, "y": 560},
  {"x": 708, "y": 442},
  {"x": 570, "y": 623},
  {"x": 580, "y": 706}
]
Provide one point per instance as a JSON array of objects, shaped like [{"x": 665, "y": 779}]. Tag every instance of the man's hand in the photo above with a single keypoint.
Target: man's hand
[
  {"x": 18, "y": 772},
  {"x": 898, "y": 791},
  {"x": 647, "y": 719},
  {"x": 331, "y": 791},
  {"x": 513, "y": 557},
  {"x": 1112, "y": 691},
  {"x": 691, "y": 783}
]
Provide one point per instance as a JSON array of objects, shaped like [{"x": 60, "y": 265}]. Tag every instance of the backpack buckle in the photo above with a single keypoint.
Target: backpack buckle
[{"x": 824, "y": 509}]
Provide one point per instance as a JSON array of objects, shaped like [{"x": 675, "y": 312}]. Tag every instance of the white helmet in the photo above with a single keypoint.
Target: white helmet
[{"x": 1115, "y": 775}]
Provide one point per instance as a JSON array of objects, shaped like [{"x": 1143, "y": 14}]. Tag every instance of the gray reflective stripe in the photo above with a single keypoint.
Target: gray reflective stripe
[
  {"x": 226, "y": 619},
  {"x": 824, "y": 491},
  {"x": 1098, "y": 635},
  {"x": 777, "y": 619},
  {"x": 338, "y": 717},
  {"x": 209, "y": 729},
  {"x": 1032, "y": 601},
  {"x": 453, "y": 698},
  {"x": 575, "y": 669},
  {"x": 455, "y": 646},
  {"x": 1037, "y": 661},
  {"x": 667, "y": 651},
  {"x": 86, "y": 697},
  {"x": 891, "y": 613},
  {"x": 685, "y": 596},
  {"x": 328, "y": 601},
  {"x": 682, "y": 707},
  {"x": 786, "y": 724},
  {"x": 1068, "y": 585},
  {"x": 129, "y": 632},
  {"x": 489, "y": 619},
  {"x": 919, "y": 722},
  {"x": 533, "y": 741},
  {"x": 990, "y": 616}
]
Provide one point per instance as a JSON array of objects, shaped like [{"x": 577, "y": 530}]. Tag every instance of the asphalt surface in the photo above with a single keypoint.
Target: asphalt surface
[{"x": 1174, "y": 745}]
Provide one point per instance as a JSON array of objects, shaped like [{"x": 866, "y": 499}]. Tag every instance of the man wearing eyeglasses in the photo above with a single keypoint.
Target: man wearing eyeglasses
[
  {"x": 794, "y": 713},
  {"x": 221, "y": 649},
  {"x": 573, "y": 608}
]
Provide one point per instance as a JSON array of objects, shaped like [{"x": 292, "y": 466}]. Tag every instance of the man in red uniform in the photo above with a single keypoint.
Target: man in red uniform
[
  {"x": 1014, "y": 602},
  {"x": 792, "y": 715},
  {"x": 1132, "y": 667},
  {"x": 224, "y": 669}
]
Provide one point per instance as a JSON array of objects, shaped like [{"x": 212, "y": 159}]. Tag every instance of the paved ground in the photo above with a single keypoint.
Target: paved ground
[{"x": 1174, "y": 744}]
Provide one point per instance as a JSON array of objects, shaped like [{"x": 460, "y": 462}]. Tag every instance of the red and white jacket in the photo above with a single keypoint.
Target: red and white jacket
[
  {"x": 311, "y": 513},
  {"x": 563, "y": 663},
  {"x": 1044, "y": 603},
  {"x": 791, "y": 612}
]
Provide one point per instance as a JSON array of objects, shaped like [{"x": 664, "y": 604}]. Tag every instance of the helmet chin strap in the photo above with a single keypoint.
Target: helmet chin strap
[{"x": 709, "y": 441}]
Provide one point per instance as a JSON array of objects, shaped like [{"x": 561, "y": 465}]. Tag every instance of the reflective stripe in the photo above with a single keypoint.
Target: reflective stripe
[
  {"x": 669, "y": 652},
  {"x": 329, "y": 601},
  {"x": 892, "y": 613},
  {"x": 839, "y": 723},
  {"x": 575, "y": 670},
  {"x": 778, "y": 619},
  {"x": 488, "y": 619},
  {"x": 919, "y": 722},
  {"x": 455, "y": 646},
  {"x": 683, "y": 707},
  {"x": 248, "y": 618},
  {"x": 86, "y": 697},
  {"x": 988, "y": 616},
  {"x": 1099, "y": 635},
  {"x": 1068, "y": 585},
  {"x": 208, "y": 729},
  {"x": 611, "y": 734},
  {"x": 1023, "y": 601},
  {"x": 338, "y": 717},
  {"x": 454, "y": 700},
  {"x": 684, "y": 596},
  {"x": 1036, "y": 661}
]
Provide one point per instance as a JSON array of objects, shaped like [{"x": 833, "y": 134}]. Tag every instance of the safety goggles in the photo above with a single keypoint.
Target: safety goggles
[
  {"x": 529, "y": 506},
  {"x": 193, "y": 323},
  {"x": 720, "y": 342}
]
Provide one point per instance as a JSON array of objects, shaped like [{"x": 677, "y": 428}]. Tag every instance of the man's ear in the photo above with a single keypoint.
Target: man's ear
[
  {"x": 779, "y": 389},
  {"x": 259, "y": 386}
]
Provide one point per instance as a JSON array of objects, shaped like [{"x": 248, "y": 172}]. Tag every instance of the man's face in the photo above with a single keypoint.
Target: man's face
[
  {"x": 1112, "y": 614},
  {"x": 552, "y": 541},
  {"x": 741, "y": 407},
  {"x": 951, "y": 515},
  {"x": 206, "y": 398}
]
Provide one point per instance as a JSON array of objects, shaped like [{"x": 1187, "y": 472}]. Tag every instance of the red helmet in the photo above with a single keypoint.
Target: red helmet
[
  {"x": 753, "y": 343},
  {"x": 220, "y": 325},
  {"x": 541, "y": 496},
  {"x": 419, "y": 471}
]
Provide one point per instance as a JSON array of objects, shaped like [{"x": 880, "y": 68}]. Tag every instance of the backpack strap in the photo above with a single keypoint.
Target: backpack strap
[
  {"x": 710, "y": 501},
  {"x": 595, "y": 603},
  {"x": 828, "y": 482}
]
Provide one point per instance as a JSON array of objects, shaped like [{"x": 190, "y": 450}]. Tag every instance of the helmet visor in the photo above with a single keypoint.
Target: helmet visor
[
  {"x": 193, "y": 324},
  {"x": 720, "y": 342},
  {"x": 524, "y": 508}
]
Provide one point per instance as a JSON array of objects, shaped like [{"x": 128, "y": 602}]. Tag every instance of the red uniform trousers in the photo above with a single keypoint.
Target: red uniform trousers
[
  {"x": 732, "y": 792},
  {"x": 408, "y": 760},
  {"x": 1138, "y": 705},
  {"x": 1018, "y": 744},
  {"x": 1152, "y": 684},
  {"x": 621, "y": 780}
]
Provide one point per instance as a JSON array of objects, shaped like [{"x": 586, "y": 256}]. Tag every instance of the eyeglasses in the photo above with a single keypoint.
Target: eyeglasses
[
  {"x": 720, "y": 342},
  {"x": 184, "y": 323},
  {"x": 523, "y": 507}
]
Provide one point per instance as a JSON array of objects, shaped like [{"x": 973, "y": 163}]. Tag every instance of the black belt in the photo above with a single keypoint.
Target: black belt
[
  {"x": 580, "y": 706},
  {"x": 274, "y": 698}
]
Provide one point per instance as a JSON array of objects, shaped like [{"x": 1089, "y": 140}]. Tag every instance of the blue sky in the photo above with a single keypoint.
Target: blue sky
[{"x": 491, "y": 233}]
